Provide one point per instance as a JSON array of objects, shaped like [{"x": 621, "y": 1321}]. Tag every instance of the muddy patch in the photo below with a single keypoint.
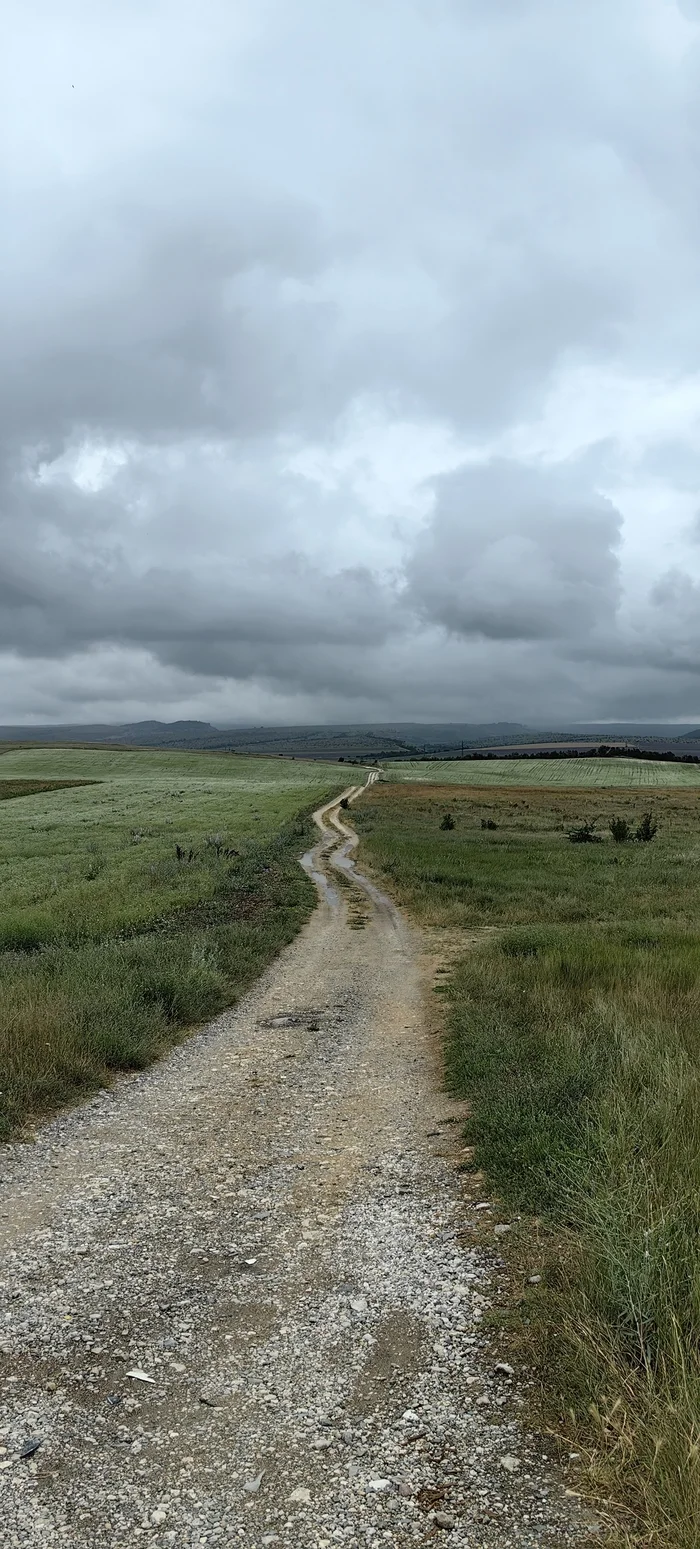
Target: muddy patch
[{"x": 398, "y": 1354}]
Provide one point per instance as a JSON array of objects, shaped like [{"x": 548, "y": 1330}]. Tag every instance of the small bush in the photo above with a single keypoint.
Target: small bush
[
  {"x": 448, "y": 821},
  {"x": 585, "y": 834},
  {"x": 488, "y": 823},
  {"x": 620, "y": 829},
  {"x": 646, "y": 829}
]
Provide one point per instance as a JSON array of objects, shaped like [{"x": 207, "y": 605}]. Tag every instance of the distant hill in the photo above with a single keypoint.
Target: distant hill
[
  {"x": 149, "y": 734},
  {"x": 366, "y": 742},
  {"x": 343, "y": 741}
]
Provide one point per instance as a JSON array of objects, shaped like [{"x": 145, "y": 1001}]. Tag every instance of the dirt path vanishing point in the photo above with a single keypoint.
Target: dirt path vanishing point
[{"x": 266, "y": 1225}]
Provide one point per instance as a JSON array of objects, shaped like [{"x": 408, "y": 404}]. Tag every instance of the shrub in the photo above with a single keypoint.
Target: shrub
[
  {"x": 585, "y": 833},
  {"x": 488, "y": 823},
  {"x": 448, "y": 821},
  {"x": 620, "y": 829},
  {"x": 646, "y": 829}
]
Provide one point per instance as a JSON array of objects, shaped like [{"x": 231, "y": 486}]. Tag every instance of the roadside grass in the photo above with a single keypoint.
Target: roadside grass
[
  {"x": 110, "y": 945},
  {"x": 524, "y": 871},
  {"x": 577, "y": 1043},
  {"x": 564, "y": 772}
]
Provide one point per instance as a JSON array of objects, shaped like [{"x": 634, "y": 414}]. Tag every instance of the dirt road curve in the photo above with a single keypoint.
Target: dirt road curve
[{"x": 267, "y": 1225}]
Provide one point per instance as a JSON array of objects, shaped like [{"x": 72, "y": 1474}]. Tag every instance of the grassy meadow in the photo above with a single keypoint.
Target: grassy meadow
[
  {"x": 573, "y": 1028},
  {"x": 564, "y": 772},
  {"x": 110, "y": 943}
]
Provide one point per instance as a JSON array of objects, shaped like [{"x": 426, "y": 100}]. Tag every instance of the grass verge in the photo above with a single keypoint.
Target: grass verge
[
  {"x": 577, "y": 1044},
  {"x": 71, "y": 1015}
]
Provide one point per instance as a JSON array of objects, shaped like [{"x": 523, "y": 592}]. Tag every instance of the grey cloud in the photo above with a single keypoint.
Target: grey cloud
[
  {"x": 513, "y": 553},
  {"x": 230, "y": 235},
  {"x": 179, "y": 322},
  {"x": 50, "y": 602},
  {"x": 437, "y": 244}
]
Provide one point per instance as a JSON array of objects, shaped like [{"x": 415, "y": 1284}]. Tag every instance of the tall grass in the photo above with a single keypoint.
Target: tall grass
[
  {"x": 71, "y": 1013},
  {"x": 578, "y": 1047},
  {"x": 580, "y": 1056}
]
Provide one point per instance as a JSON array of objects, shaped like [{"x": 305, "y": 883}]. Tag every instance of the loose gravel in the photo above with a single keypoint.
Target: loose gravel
[{"x": 239, "y": 1304}]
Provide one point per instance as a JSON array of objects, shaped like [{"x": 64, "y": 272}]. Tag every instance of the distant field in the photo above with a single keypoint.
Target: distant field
[
  {"x": 563, "y": 772},
  {"x": 110, "y": 941},
  {"x": 93, "y": 859}
]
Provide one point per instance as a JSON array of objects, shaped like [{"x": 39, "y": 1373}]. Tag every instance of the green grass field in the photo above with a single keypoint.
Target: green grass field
[
  {"x": 564, "y": 772},
  {"x": 100, "y": 859},
  {"x": 524, "y": 871},
  {"x": 110, "y": 943},
  {"x": 573, "y": 1029}
]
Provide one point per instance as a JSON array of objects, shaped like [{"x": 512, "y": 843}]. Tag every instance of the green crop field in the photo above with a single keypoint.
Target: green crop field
[
  {"x": 565, "y": 772},
  {"x": 573, "y": 1030},
  {"x": 111, "y": 940}
]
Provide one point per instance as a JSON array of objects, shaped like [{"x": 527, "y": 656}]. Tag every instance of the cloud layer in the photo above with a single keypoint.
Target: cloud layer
[{"x": 351, "y": 361}]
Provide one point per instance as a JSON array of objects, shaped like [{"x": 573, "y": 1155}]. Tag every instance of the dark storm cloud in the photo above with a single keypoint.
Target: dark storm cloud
[{"x": 240, "y": 236}]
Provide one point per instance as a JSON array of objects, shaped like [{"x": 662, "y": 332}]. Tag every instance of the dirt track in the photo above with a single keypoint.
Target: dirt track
[{"x": 269, "y": 1225}]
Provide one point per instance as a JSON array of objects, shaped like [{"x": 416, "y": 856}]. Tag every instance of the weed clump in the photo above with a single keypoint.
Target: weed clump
[
  {"x": 646, "y": 829},
  {"x": 447, "y": 821},
  {"x": 585, "y": 833},
  {"x": 620, "y": 829}
]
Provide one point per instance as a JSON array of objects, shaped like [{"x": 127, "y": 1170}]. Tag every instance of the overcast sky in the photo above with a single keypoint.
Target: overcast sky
[{"x": 351, "y": 361}]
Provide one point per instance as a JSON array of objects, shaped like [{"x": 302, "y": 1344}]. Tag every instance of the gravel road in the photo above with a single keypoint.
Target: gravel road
[{"x": 239, "y": 1304}]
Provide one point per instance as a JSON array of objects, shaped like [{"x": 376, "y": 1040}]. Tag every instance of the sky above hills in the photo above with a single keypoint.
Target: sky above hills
[{"x": 351, "y": 366}]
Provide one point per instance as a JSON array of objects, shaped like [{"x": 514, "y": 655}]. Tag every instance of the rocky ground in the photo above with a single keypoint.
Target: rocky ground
[{"x": 239, "y": 1300}]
